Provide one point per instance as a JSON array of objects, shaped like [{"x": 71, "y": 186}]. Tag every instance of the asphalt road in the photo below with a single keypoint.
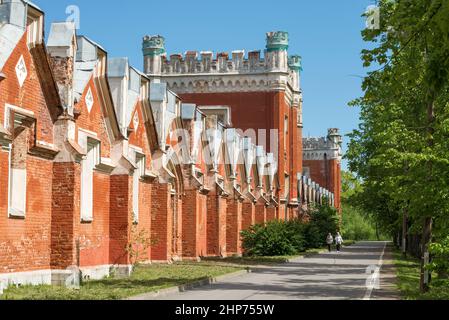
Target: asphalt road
[{"x": 358, "y": 272}]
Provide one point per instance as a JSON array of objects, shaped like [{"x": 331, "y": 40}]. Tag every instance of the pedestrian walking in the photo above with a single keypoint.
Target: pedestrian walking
[
  {"x": 339, "y": 241},
  {"x": 329, "y": 241}
]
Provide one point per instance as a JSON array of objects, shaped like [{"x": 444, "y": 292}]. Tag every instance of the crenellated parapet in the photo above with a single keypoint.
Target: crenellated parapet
[
  {"x": 205, "y": 71},
  {"x": 323, "y": 148}
]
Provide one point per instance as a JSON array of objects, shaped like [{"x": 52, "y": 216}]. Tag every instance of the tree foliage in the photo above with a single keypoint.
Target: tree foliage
[
  {"x": 401, "y": 149},
  {"x": 283, "y": 238}
]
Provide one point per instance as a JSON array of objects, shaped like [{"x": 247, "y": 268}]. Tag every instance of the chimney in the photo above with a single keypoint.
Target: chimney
[{"x": 62, "y": 47}]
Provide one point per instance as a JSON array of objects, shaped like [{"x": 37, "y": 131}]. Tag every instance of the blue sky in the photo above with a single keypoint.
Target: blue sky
[{"x": 326, "y": 33}]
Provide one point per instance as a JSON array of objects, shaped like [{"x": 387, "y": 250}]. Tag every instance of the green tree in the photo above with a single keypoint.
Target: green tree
[{"x": 400, "y": 150}]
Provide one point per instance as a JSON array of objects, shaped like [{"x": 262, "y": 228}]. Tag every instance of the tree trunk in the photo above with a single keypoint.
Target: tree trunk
[
  {"x": 404, "y": 232},
  {"x": 427, "y": 232},
  {"x": 425, "y": 275}
]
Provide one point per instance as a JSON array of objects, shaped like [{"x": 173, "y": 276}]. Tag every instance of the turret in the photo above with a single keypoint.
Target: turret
[
  {"x": 336, "y": 139},
  {"x": 153, "y": 48},
  {"x": 276, "y": 56},
  {"x": 295, "y": 65}
]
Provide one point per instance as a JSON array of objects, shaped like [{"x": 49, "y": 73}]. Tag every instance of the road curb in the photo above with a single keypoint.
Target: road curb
[{"x": 188, "y": 286}]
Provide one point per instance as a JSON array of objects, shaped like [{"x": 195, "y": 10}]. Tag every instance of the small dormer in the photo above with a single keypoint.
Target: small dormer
[
  {"x": 249, "y": 153},
  {"x": 25, "y": 16},
  {"x": 16, "y": 17},
  {"x": 234, "y": 148},
  {"x": 125, "y": 84},
  {"x": 35, "y": 25},
  {"x": 165, "y": 106}
]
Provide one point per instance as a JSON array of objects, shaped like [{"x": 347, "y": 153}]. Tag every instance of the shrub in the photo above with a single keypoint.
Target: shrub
[
  {"x": 357, "y": 225},
  {"x": 440, "y": 257},
  {"x": 280, "y": 238},
  {"x": 323, "y": 220},
  {"x": 277, "y": 238}
]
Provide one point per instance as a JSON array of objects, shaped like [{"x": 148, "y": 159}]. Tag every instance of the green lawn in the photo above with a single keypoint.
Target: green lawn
[
  {"x": 408, "y": 272},
  {"x": 143, "y": 280}
]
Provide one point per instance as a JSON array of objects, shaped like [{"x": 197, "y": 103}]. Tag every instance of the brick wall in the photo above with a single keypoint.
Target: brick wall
[
  {"x": 216, "y": 225},
  {"x": 263, "y": 111},
  {"x": 194, "y": 222},
  {"x": 272, "y": 213},
  {"x": 120, "y": 218},
  {"x": 25, "y": 243},
  {"x": 248, "y": 215},
  {"x": 161, "y": 222},
  {"x": 233, "y": 227},
  {"x": 328, "y": 175},
  {"x": 65, "y": 209},
  {"x": 261, "y": 213}
]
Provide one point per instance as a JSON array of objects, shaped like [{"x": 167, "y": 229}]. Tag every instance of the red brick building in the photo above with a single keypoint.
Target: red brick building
[
  {"x": 102, "y": 166},
  {"x": 322, "y": 163},
  {"x": 263, "y": 97}
]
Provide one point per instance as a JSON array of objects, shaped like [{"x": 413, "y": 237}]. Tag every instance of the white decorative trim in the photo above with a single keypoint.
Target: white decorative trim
[
  {"x": 230, "y": 82},
  {"x": 89, "y": 99},
  {"x": 59, "y": 277},
  {"x": 21, "y": 71}
]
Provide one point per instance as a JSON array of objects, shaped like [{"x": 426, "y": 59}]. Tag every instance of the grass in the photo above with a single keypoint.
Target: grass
[
  {"x": 408, "y": 273},
  {"x": 143, "y": 280}
]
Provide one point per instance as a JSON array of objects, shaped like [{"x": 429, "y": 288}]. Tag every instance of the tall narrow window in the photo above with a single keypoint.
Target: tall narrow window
[
  {"x": 19, "y": 122},
  {"x": 285, "y": 134},
  {"x": 287, "y": 187},
  {"x": 87, "y": 178},
  {"x": 138, "y": 173},
  {"x": 18, "y": 174}
]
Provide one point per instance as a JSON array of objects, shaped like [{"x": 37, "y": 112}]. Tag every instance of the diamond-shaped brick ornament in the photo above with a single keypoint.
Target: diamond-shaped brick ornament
[
  {"x": 89, "y": 100},
  {"x": 21, "y": 71},
  {"x": 136, "y": 120}
]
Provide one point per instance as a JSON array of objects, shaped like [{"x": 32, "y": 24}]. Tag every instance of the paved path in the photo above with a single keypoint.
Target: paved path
[{"x": 329, "y": 276}]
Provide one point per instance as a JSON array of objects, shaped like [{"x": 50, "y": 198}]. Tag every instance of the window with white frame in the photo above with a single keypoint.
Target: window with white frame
[
  {"x": 88, "y": 165},
  {"x": 34, "y": 27},
  {"x": 287, "y": 187},
  {"x": 18, "y": 174},
  {"x": 19, "y": 122},
  {"x": 285, "y": 133},
  {"x": 138, "y": 173}
]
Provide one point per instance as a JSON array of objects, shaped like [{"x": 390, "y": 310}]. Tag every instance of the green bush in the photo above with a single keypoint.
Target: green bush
[
  {"x": 280, "y": 238},
  {"x": 356, "y": 225},
  {"x": 440, "y": 257},
  {"x": 323, "y": 220},
  {"x": 277, "y": 238}
]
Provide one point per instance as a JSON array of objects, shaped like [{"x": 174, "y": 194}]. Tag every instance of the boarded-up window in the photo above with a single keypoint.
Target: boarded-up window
[
  {"x": 138, "y": 173},
  {"x": 286, "y": 134},
  {"x": 19, "y": 123},
  {"x": 87, "y": 177},
  {"x": 18, "y": 173}
]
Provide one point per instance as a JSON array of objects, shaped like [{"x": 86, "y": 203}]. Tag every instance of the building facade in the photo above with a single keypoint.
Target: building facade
[
  {"x": 103, "y": 166},
  {"x": 322, "y": 163},
  {"x": 263, "y": 96}
]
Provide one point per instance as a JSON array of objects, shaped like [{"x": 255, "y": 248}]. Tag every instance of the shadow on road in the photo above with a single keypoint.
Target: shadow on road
[{"x": 328, "y": 276}]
